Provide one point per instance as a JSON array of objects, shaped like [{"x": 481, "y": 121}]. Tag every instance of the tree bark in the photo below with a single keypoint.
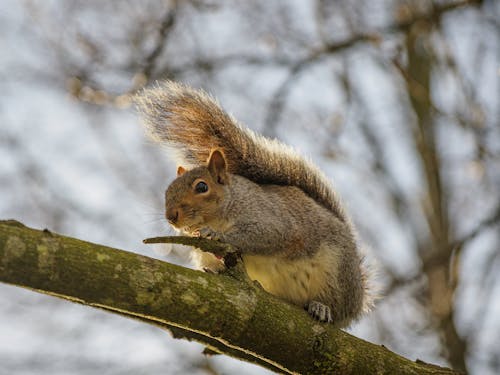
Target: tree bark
[{"x": 225, "y": 312}]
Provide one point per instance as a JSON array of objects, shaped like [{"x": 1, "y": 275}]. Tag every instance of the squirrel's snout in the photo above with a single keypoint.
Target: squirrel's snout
[{"x": 172, "y": 215}]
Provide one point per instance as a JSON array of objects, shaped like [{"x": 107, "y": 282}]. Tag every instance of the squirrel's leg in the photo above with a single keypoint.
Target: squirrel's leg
[
  {"x": 209, "y": 233},
  {"x": 255, "y": 239},
  {"x": 319, "y": 311}
]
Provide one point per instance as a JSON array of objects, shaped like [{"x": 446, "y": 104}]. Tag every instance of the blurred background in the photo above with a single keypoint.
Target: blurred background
[{"x": 397, "y": 101}]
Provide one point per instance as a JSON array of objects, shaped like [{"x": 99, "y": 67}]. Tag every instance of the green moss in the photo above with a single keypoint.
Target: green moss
[
  {"x": 14, "y": 249},
  {"x": 13, "y": 223},
  {"x": 190, "y": 298},
  {"x": 102, "y": 257},
  {"x": 45, "y": 258},
  {"x": 145, "y": 298}
]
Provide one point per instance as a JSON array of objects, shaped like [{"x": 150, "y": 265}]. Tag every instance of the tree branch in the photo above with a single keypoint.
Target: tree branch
[
  {"x": 228, "y": 315},
  {"x": 275, "y": 107},
  {"x": 166, "y": 25}
]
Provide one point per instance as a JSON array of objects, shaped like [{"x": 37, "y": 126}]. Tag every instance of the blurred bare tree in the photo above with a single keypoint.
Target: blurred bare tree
[{"x": 396, "y": 100}]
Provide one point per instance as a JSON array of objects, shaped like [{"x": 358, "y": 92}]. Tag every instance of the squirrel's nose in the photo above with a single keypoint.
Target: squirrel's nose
[{"x": 172, "y": 215}]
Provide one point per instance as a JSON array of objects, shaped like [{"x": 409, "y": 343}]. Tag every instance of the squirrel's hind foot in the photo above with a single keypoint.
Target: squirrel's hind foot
[{"x": 319, "y": 311}]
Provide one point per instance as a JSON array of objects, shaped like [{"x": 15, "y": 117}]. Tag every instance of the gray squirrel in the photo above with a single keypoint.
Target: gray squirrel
[{"x": 276, "y": 208}]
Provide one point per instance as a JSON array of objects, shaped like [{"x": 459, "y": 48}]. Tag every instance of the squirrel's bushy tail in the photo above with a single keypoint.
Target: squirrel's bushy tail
[{"x": 192, "y": 123}]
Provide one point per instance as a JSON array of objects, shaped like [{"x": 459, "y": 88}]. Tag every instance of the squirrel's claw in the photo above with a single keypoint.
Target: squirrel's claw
[
  {"x": 319, "y": 311},
  {"x": 209, "y": 234}
]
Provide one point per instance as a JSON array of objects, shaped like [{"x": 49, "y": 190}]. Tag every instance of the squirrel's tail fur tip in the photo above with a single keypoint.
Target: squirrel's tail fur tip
[
  {"x": 170, "y": 109},
  {"x": 371, "y": 288},
  {"x": 189, "y": 121},
  {"x": 168, "y": 95}
]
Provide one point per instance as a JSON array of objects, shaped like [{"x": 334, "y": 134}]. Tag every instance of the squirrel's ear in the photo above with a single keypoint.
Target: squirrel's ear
[
  {"x": 217, "y": 166},
  {"x": 180, "y": 171}
]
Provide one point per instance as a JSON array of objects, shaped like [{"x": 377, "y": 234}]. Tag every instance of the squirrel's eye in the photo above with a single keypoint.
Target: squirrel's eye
[{"x": 201, "y": 187}]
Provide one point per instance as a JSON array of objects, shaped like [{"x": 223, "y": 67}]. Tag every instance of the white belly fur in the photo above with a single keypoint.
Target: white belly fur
[
  {"x": 299, "y": 280},
  {"x": 206, "y": 261}
]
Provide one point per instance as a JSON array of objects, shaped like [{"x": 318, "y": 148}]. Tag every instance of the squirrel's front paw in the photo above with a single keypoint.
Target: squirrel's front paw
[
  {"x": 319, "y": 311},
  {"x": 209, "y": 234}
]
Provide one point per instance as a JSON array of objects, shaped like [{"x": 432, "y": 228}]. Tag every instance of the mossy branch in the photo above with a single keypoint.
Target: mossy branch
[{"x": 224, "y": 313}]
